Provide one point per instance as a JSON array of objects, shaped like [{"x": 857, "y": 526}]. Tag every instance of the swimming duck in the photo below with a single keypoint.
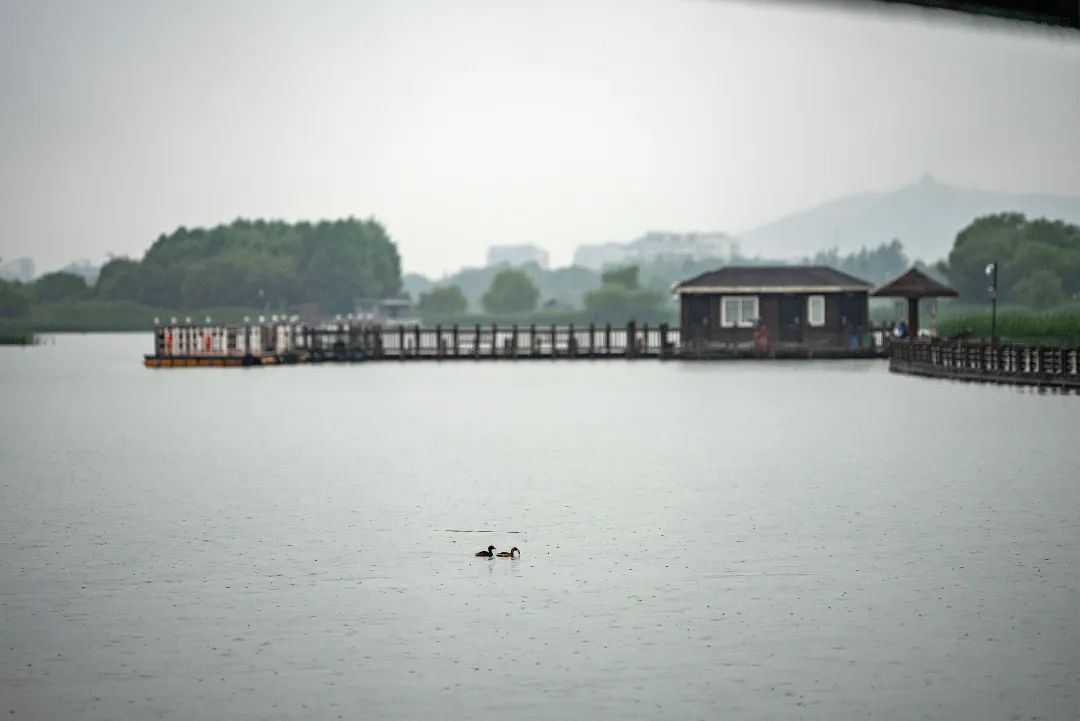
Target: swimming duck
[
  {"x": 509, "y": 554},
  {"x": 486, "y": 554}
]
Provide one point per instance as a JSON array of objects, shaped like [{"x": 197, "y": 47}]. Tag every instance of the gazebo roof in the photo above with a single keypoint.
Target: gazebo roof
[{"x": 915, "y": 284}]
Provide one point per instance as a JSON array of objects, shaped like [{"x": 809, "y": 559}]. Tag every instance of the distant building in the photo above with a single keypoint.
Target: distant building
[
  {"x": 657, "y": 244},
  {"x": 20, "y": 269},
  {"x": 598, "y": 257},
  {"x": 774, "y": 307},
  {"x": 517, "y": 255}
]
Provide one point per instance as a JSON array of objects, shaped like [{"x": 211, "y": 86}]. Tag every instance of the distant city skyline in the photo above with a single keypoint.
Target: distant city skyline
[
  {"x": 474, "y": 124},
  {"x": 655, "y": 243}
]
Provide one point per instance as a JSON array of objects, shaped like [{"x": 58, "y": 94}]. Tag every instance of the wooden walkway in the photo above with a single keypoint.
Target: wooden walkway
[
  {"x": 287, "y": 342},
  {"x": 272, "y": 344},
  {"x": 1052, "y": 366},
  {"x": 493, "y": 342}
]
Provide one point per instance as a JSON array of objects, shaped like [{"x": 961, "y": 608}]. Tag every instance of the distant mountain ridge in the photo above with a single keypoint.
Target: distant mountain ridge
[{"x": 925, "y": 216}]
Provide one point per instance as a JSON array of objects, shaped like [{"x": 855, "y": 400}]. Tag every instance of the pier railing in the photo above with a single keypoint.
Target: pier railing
[
  {"x": 260, "y": 344},
  {"x": 1001, "y": 362},
  {"x": 287, "y": 341},
  {"x": 479, "y": 341}
]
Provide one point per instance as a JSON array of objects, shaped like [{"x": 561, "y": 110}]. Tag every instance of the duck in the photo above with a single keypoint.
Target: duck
[
  {"x": 509, "y": 554},
  {"x": 486, "y": 554}
]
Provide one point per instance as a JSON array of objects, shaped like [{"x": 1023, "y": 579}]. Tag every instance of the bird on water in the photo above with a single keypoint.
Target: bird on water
[
  {"x": 508, "y": 554},
  {"x": 486, "y": 554}
]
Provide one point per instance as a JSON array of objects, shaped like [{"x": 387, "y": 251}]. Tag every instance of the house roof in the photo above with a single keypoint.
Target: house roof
[
  {"x": 915, "y": 284},
  {"x": 773, "y": 279}
]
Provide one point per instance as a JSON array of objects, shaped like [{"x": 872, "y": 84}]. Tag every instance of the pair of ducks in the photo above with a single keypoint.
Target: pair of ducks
[{"x": 501, "y": 554}]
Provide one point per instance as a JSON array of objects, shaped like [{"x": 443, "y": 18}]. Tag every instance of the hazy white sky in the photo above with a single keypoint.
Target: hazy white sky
[{"x": 469, "y": 123}]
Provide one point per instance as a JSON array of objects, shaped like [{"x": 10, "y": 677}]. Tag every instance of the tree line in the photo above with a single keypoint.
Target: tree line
[
  {"x": 512, "y": 293},
  {"x": 329, "y": 265},
  {"x": 642, "y": 291},
  {"x": 262, "y": 265},
  {"x": 1038, "y": 261}
]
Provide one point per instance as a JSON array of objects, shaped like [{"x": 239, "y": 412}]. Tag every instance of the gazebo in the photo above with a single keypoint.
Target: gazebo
[{"x": 914, "y": 285}]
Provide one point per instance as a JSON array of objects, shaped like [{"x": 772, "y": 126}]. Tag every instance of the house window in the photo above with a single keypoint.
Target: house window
[
  {"x": 738, "y": 311},
  {"x": 815, "y": 310}
]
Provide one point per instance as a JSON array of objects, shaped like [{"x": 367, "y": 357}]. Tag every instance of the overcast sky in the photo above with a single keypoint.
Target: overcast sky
[{"x": 464, "y": 124}]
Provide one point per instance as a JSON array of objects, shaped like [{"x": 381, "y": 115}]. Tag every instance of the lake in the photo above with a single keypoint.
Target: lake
[{"x": 741, "y": 539}]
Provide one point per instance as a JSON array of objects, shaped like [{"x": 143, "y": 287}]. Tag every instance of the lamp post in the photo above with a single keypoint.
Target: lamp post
[{"x": 992, "y": 272}]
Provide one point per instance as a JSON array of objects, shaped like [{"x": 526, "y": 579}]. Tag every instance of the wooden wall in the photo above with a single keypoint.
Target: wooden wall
[{"x": 701, "y": 316}]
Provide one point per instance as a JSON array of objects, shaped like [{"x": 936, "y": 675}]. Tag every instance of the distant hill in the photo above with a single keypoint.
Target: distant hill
[{"x": 925, "y": 216}]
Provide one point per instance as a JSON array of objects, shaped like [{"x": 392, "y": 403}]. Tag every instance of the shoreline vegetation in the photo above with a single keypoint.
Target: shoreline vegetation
[
  {"x": 14, "y": 337},
  {"x": 1017, "y": 325},
  {"x": 325, "y": 269}
]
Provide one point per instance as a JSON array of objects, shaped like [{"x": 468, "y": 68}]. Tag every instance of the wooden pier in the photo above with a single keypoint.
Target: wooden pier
[
  {"x": 1032, "y": 364},
  {"x": 188, "y": 345},
  {"x": 491, "y": 342},
  {"x": 276, "y": 342}
]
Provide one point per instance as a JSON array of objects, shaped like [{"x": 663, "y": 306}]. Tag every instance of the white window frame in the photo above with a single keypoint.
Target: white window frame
[
  {"x": 747, "y": 314},
  {"x": 810, "y": 302}
]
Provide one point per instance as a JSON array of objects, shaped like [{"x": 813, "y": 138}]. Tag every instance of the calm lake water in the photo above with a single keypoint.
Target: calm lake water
[{"x": 748, "y": 540}]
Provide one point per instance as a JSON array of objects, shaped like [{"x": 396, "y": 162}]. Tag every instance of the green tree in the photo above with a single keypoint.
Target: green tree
[
  {"x": 877, "y": 265},
  {"x": 116, "y": 281},
  {"x": 626, "y": 276},
  {"x": 345, "y": 261},
  {"x": 511, "y": 291},
  {"x": 1040, "y": 289},
  {"x": 263, "y": 264},
  {"x": 53, "y": 287},
  {"x": 566, "y": 285},
  {"x": 616, "y": 303},
  {"x": 152, "y": 284},
  {"x": 1023, "y": 249},
  {"x": 446, "y": 300},
  {"x": 256, "y": 281},
  {"x": 1032, "y": 256},
  {"x": 985, "y": 240},
  {"x": 13, "y": 299},
  {"x": 620, "y": 299}
]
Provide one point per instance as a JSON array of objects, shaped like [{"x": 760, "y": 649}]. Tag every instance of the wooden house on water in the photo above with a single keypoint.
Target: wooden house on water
[{"x": 774, "y": 309}]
